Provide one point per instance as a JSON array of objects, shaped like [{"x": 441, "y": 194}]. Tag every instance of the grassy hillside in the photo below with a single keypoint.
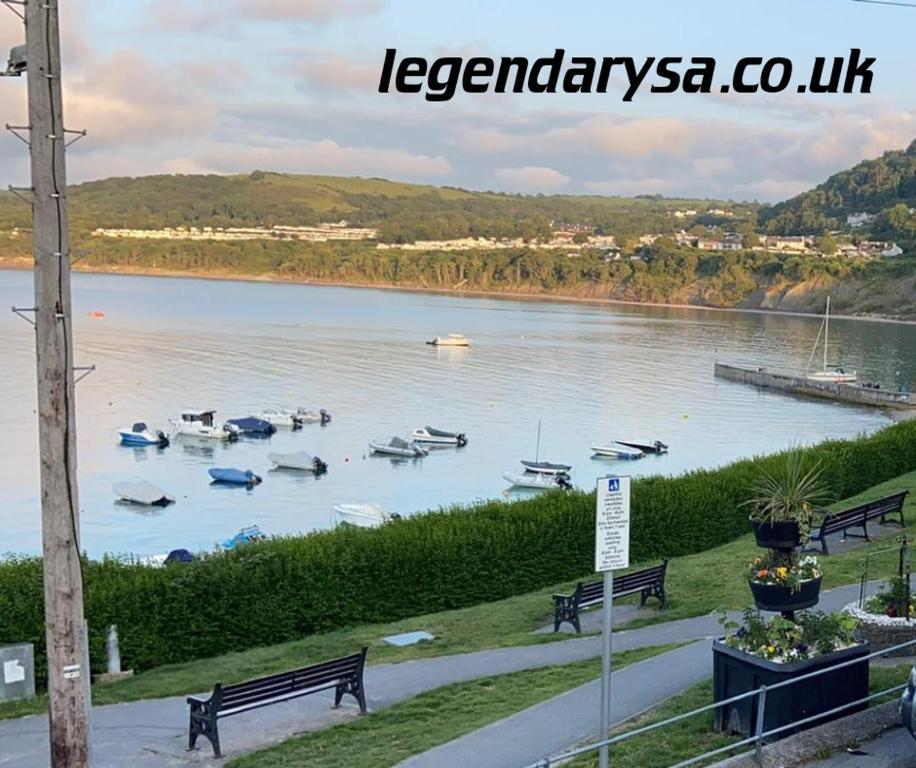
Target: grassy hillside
[{"x": 401, "y": 211}]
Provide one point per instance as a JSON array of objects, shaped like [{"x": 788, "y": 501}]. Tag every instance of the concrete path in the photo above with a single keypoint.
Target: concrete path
[
  {"x": 153, "y": 733},
  {"x": 573, "y": 717},
  {"x": 893, "y": 749}
]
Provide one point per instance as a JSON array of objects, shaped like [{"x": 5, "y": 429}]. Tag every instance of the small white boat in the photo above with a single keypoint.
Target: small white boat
[
  {"x": 617, "y": 451},
  {"x": 201, "y": 423},
  {"x": 280, "y": 418},
  {"x": 298, "y": 460},
  {"x": 538, "y": 481},
  {"x": 398, "y": 446},
  {"x": 140, "y": 434},
  {"x": 143, "y": 493},
  {"x": 829, "y": 374},
  {"x": 452, "y": 340},
  {"x": 546, "y": 467},
  {"x": 313, "y": 416},
  {"x": 363, "y": 515},
  {"x": 439, "y": 437}
]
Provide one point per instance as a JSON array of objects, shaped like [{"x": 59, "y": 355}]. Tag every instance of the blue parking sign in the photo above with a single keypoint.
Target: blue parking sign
[{"x": 613, "y": 484}]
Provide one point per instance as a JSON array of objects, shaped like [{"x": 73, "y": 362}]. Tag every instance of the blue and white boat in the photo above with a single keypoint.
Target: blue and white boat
[
  {"x": 140, "y": 434},
  {"x": 232, "y": 476},
  {"x": 245, "y": 536}
]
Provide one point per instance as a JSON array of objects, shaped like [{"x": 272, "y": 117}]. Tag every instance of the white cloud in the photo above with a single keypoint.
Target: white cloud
[{"x": 531, "y": 178}]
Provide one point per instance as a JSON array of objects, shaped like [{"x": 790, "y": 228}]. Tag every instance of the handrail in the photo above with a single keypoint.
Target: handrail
[{"x": 759, "y": 736}]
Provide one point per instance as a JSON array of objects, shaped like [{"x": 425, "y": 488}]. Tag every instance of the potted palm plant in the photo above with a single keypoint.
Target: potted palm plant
[{"x": 784, "y": 503}]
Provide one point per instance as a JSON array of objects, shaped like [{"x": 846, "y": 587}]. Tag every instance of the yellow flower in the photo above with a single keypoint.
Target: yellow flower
[
  {"x": 771, "y": 649},
  {"x": 782, "y": 572}
]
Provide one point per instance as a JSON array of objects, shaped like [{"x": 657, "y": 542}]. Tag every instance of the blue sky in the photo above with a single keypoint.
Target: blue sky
[{"x": 181, "y": 86}]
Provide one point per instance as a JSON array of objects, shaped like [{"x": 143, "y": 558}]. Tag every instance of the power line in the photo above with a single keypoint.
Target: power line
[{"x": 887, "y": 2}]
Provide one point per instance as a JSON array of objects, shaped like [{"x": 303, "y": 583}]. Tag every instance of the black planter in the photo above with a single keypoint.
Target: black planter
[
  {"x": 783, "y": 535},
  {"x": 736, "y": 672},
  {"x": 773, "y": 597}
]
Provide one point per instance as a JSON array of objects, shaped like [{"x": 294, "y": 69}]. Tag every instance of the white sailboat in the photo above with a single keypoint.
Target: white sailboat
[{"x": 828, "y": 374}]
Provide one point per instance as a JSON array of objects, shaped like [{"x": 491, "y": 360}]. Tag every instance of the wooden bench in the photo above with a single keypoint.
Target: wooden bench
[
  {"x": 345, "y": 675},
  {"x": 858, "y": 517},
  {"x": 649, "y": 582}
]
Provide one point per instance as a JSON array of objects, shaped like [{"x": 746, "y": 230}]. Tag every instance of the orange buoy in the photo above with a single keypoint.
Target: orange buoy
[{"x": 96, "y": 313}]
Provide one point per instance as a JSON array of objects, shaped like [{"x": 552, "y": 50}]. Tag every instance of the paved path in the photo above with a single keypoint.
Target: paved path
[
  {"x": 152, "y": 733},
  {"x": 553, "y": 725},
  {"x": 893, "y": 749}
]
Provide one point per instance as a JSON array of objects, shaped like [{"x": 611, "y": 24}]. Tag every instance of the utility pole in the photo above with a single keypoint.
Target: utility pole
[{"x": 65, "y": 627}]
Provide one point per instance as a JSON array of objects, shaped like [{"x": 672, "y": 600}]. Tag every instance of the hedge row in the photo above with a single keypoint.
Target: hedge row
[{"x": 285, "y": 588}]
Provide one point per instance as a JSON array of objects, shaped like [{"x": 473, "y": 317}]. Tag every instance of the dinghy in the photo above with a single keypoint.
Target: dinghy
[
  {"x": 200, "y": 423},
  {"x": 232, "y": 476},
  {"x": 618, "y": 451},
  {"x": 538, "y": 481},
  {"x": 439, "y": 437},
  {"x": 546, "y": 467},
  {"x": 140, "y": 434},
  {"x": 245, "y": 536},
  {"x": 280, "y": 418},
  {"x": 143, "y": 493},
  {"x": 253, "y": 426},
  {"x": 363, "y": 515},
  {"x": 397, "y": 446},
  {"x": 655, "y": 446},
  {"x": 452, "y": 340},
  {"x": 299, "y": 460},
  {"x": 311, "y": 416}
]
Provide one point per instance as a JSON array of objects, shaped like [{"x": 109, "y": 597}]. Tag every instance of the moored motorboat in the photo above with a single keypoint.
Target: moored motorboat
[
  {"x": 245, "y": 536},
  {"x": 546, "y": 467},
  {"x": 539, "y": 481},
  {"x": 143, "y": 493},
  {"x": 313, "y": 416},
  {"x": 203, "y": 424},
  {"x": 280, "y": 418},
  {"x": 298, "y": 460},
  {"x": 439, "y": 437},
  {"x": 452, "y": 340},
  {"x": 646, "y": 446},
  {"x": 232, "y": 476},
  {"x": 617, "y": 451},
  {"x": 398, "y": 446},
  {"x": 363, "y": 515},
  {"x": 251, "y": 425},
  {"x": 140, "y": 434}
]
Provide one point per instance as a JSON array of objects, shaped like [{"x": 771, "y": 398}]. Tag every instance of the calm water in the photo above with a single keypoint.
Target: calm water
[{"x": 589, "y": 373}]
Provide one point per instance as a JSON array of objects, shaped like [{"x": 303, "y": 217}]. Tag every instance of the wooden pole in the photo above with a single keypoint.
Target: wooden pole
[{"x": 65, "y": 629}]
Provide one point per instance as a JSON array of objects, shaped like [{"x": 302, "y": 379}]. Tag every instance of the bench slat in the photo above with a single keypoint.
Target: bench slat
[{"x": 337, "y": 666}]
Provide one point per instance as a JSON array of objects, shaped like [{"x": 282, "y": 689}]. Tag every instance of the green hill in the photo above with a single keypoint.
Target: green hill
[
  {"x": 402, "y": 212},
  {"x": 885, "y": 187}
]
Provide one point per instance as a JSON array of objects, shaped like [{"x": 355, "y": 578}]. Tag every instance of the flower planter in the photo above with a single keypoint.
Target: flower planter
[
  {"x": 881, "y": 631},
  {"x": 775, "y": 597},
  {"x": 736, "y": 672},
  {"x": 782, "y": 535}
]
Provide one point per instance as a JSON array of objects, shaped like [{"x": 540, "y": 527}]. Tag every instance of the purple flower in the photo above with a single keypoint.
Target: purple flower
[{"x": 801, "y": 648}]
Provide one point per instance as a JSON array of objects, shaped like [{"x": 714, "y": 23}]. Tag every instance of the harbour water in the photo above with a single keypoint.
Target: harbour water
[{"x": 589, "y": 373}]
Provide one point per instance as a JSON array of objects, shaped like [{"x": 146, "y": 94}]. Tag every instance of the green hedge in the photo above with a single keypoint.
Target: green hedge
[{"x": 289, "y": 587}]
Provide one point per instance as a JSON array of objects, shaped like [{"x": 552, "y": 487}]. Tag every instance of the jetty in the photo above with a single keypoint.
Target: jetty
[{"x": 827, "y": 390}]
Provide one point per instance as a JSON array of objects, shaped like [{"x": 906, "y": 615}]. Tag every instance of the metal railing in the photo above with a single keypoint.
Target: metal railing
[{"x": 760, "y": 735}]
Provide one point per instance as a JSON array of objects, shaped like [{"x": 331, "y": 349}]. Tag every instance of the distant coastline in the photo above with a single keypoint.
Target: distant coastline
[{"x": 26, "y": 266}]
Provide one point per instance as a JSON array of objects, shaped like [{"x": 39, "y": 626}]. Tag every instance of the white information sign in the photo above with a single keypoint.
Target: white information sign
[
  {"x": 612, "y": 524},
  {"x": 13, "y": 671}
]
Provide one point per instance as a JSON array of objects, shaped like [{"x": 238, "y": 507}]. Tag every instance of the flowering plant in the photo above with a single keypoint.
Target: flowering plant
[
  {"x": 783, "y": 569},
  {"x": 783, "y": 641},
  {"x": 894, "y": 600}
]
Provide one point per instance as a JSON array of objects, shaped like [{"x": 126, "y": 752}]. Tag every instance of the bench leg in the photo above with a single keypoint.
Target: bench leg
[
  {"x": 355, "y": 689},
  {"x": 575, "y": 621},
  {"x": 206, "y": 727}
]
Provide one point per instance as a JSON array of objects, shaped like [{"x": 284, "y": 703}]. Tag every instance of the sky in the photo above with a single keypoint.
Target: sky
[{"x": 230, "y": 86}]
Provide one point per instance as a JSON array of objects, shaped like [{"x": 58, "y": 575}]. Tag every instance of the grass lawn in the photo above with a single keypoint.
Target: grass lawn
[
  {"x": 697, "y": 584},
  {"x": 386, "y": 738}
]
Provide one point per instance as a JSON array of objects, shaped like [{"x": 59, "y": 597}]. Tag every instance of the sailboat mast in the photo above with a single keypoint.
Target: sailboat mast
[
  {"x": 826, "y": 332},
  {"x": 537, "y": 449}
]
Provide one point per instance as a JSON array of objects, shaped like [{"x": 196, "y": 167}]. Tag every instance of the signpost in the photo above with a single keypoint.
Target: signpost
[{"x": 612, "y": 551}]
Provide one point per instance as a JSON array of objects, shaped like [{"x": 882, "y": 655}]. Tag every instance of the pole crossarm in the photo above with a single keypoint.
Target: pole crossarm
[
  {"x": 21, "y": 312},
  {"x": 84, "y": 371},
  {"x": 14, "y": 129},
  {"x": 11, "y": 4},
  {"x": 16, "y": 191}
]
